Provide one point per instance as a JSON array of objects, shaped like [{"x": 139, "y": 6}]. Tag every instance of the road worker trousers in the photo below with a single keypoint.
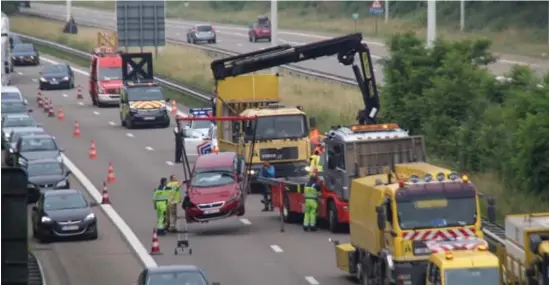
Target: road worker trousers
[
  {"x": 309, "y": 215},
  {"x": 161, "y": 209},
  {"x": 171, "y": 221}
]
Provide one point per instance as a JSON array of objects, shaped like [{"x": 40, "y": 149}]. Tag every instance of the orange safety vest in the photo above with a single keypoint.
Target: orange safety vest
[{"x": 314, "y": 136}]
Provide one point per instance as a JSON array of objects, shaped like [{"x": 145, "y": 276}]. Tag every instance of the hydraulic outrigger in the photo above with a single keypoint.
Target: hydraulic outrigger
[{"x": 346, "y": 48}]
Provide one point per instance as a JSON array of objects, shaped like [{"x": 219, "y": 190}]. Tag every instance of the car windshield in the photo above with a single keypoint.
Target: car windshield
[
  {"x": 13, "y": 107},
  {"x": 183, "y": 278},
  {"x": 145, "y": 93},
  {"x": 65, "y": 202},
  {"x": 438, "y": 212},
  {"x": 16, "y": 135},
  {"x": 204, "y": 28},
  {"x": 212, "y": 177},
  {"x": 201, "y": 124},
  {"x": 11, "y": 96},
  {"x": 278, "y": 127},
  {"x": 23, "y": 48},
  {"x": 472, "y": 276},
  {"x": 110, "y": 73},
  {"x": 13, "y": 122},
  {"x": 38, "y": 144},
  {"x": 44, "y": 168},
  {"x": 55, "y": 68}
]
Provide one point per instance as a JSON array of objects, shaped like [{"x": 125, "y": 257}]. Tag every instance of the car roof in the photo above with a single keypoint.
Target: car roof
[
  {"x": 203, "y": 25},
  {"x": 38, "y": 136},
  {"x": 26, "y": 129},
  {"x": 224, "y": 158},
  {"x": 172, "y": 268},
  {"x": 43, "y": 160},
  {"x": 10, "y": 88},
  {"x": 23, "y": 44},
  {"x": 57, "y": 192},
  {"x": 16, "y": 115}
]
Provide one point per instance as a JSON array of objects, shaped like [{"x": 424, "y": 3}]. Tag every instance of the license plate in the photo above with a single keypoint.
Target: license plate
[
  {"x": 69, "y": 228},
  {"x": 28, "y": 59},
  {"x": 211, "y": 211},
  {"x": 148, "y": 118},
  {"x": 54, "y": 82}
]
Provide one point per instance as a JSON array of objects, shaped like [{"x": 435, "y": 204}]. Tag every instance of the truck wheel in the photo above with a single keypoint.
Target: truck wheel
[
  {"x": 289, "y": 216},
  {"x": 333, "y": 224}
]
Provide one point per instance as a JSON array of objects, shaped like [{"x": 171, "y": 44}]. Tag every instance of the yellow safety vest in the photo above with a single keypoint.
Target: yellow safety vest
[
  {"x": 315, "y": 164},
  {"x": 175, "y": 195}
]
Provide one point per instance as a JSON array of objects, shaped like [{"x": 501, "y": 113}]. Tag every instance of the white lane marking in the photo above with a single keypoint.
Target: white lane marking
[
  {"x": 19, "y": 72},
  {"x": 80, "y": 103},
  {"x": 34, "y": 80},
  {"x": 245, "y": 221},
  {"x": 239, "y": 44},
  {"x": 169, "y": 163},
  {"x": 65, "y": 95},
  {"x": 149, "y": 148},
  {"x": 96, "y": 113},
  {"x": 124, "y": 229},
  {"x": 130, "y": 135},
  {"x": 83, "y": 72},
  {"x": 311, "y": 280},
  {"x": 276, "y": 248},
  {"x": 112, "y": 123}
]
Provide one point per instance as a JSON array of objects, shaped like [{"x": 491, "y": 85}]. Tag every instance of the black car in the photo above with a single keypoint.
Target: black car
[
  {"x": 34, "y": 147},
  {"x": 47, "y": 174},
  {"x": 25, "y": 54},
  {"x": 63, "y": 214},
  {"x": 57, "y": 76},
  {"x": 174, "y": 274}
]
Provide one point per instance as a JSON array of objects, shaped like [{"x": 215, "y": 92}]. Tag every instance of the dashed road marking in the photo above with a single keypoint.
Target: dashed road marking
[
  {"x": 80, "y": 103},
  {"x": 65, "y": 95},
  {"x": 19, "y": 72},
  {"x": 96, "y": 113},
  {"x": 311, "y": 280},
  {"x": 245, "y": 221},
  {"x": 276, "y": 248},
  {"x": 112, "y": 123},
  {"x": 149, "y": 148},
  {"x": 239, "y": 44},
  {"x": 130, "y": 135},
  {"x": 34, "y": 80},
  {"x": 169, "y": 163}
]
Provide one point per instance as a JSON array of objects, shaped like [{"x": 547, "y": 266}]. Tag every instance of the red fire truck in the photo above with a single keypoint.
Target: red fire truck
[{"x": 105, "y": 71}]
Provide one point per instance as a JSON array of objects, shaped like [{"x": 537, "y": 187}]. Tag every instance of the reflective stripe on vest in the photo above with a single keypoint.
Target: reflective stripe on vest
[{"x": 160, "y": 195}]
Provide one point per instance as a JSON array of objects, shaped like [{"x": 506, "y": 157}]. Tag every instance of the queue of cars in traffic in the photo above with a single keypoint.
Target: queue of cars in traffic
[{"x": 205, "y": 33}]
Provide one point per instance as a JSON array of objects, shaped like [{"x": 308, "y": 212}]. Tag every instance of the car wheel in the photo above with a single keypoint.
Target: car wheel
[
  {"x": 129, "y": 123},
  {"x": 193, "y": 41},
  {"x": 269, "y": 39},
  {"x": 188, "y": 39},
  {"x": 214, "y": 41},
  {"x": 72, "y": 84},
  {"x": 254, "y": 39},
  {"x": 40, "y": 86},
  {"x": 94, "y": 101},
  {"x": 34, "y": 231},
  {"x": 249, "y": 38},
  {"x": 289, "y": 216},
  {"x": 94, "y": 236},
  {"x": 241, "y": 210}
]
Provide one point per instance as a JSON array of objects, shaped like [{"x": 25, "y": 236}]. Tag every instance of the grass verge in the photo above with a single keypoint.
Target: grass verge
[
  {"x": 525, "y": 42},
  {"x": 328, "y": 102}
]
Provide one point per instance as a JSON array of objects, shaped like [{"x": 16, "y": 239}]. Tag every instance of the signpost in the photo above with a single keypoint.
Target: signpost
[
  {"x": 141, "y": 24},
  {"x": 376, "y": 9},
  {"x": 356, "y": 16}
]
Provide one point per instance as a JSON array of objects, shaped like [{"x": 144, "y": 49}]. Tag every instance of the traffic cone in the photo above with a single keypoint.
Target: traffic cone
[
  {"x": 76, "y": 132},
  {"x": 79, "y": 93},
  {"x": 155, "y": 248},
  {"x": 51, "y": 112},
  {"x": 105, "y": 196},
  {"x": 93, "y": 151},
  {"x": 110, "y": 174},
  {"x": 38, "y": 97},
  {"x": 45, "y": 104},
  {"x": 60, "y": 114},
  {"x": 174, "y": 107}
]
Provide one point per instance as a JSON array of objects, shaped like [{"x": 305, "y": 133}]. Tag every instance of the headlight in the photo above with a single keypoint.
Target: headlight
[
  {"x": 32, "y": 57},
  {"x": 43, "y": 79},
  {"x": 11, "y": 150},
  {"x": 14, "y": 57},
  {"x": 133, "y": 109},
  {"x": 163, "y": 107},
  {"x": 66, "y": 78},
  {"x": 46, "y": 219},
  {"x": 307, "y": 168},
  {"x": 8, "y": 136},
  {"x": 30, "y": 185},
  {"x": 60, "y": 159},
  {"x": 252, "y": 172},
  {"x": 62, "y": 183},
  {"x": 89, "y": 217}
]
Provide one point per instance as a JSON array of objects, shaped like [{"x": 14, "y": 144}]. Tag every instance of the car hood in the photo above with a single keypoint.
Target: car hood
[
  {"x": 46, "y": 179},
  {"x": 23, "y": 53},
  {"x": 54, "y": 75},
  {"x": 108, "y": 84},
  {"x": 68, "y": 214},
  {"x": 202, "y": 195},
  {"x": 30, "y": 155}
]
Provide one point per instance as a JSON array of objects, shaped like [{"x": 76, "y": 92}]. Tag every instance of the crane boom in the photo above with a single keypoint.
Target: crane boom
[{"x": 345, "y": 47}]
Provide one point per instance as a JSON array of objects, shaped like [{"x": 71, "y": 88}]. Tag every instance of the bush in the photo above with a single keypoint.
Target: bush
[{"x": 467, "y": 116}]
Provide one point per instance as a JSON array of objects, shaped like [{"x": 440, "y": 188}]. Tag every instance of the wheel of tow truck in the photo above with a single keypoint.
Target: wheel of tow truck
[
  {"x": 333, "y": 224},
  {"x": 289, "y": 216}
]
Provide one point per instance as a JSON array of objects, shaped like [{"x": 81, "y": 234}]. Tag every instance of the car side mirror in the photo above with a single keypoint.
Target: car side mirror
[
  {"x": 69, "y": 172},
  {"x": 39, "y": 125},
  {"x": 29, "y": 110},
  {"x": 380, "y": 218},
  {"x": 25, "y": 102},
  {"x": 167, "y": 100},
  {"x": 93, "y": 204},
  {"x": 61, "y": 150}
]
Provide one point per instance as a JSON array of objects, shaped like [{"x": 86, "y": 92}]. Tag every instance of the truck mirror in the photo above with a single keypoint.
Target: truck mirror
[
  {"x": 312, "y": 122},
  {"x": 380, "y": 217},
  {"x": 491, "y": 210}
]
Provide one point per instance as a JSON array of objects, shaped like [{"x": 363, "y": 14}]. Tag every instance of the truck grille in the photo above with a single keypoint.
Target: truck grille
[
  {"x": 113, "y": 91},
  {"x": 279, "y": 154}
]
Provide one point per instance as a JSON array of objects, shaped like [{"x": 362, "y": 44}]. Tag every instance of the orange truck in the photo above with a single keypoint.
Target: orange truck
[{"x": 105, "y": 71}]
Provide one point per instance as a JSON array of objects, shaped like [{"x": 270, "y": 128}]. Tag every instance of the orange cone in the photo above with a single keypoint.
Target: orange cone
[
  {"x": 105, "y": 196},
  {"x": 76, "y": 132},
  {"x": 155, "y": 248},
  {"x": 174, "y": 107},
  {"x": 38, "y": 97},
  {"x": 60, "y": 114},
  {"x": 110, "y": 174},
  {"x": 51, "y": 112},
  {"x": 45, "y": 104},
  {"x": 93, "y": 151},
  {"x": 79, "y": 93}
]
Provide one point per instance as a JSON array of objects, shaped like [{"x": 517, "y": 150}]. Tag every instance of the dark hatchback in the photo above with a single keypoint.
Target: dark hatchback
[
  {"x": 63, "y": 214},
  {"x": 25, "y": 54},
  {"x": 14, "y": 107},
  {"x": 47, "y": 174},
  {"x": 174, "y": 274},
  {"x": 56, "y": 76}
]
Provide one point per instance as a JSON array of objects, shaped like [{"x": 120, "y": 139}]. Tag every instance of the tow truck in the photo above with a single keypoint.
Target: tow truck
[{"x": 105, "y": 71}]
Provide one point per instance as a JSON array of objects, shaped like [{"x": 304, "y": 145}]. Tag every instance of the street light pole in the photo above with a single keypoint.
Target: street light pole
[
  {"x": 386, "y": 11},
  {"x": 274, "y": 28},
  {"x": 69, "y": 10},
  {"x": 431, "y": 22},
  {"x": 462, "y": 15}
]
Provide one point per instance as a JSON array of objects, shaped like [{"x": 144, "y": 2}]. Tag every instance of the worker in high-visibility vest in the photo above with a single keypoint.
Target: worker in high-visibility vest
[
  {"x": 160, "y": 202},
  {"x": 311, "y": 193},
  {"x": 314, "y": 166},
  {"x": 174, "y": 198}
]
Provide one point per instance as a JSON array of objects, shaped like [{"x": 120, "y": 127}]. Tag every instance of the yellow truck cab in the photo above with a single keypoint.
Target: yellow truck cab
[
  {"x": 142, "y": 101},
  {"x": 463, "y": 267}
]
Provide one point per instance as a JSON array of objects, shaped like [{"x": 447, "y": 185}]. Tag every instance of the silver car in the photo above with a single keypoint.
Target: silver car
[{"x": 201, "y": 33}]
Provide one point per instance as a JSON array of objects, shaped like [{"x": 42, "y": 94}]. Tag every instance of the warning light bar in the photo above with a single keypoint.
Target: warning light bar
[
  {"x": 211, "y": 118},
  {"x": 372, "y": 128},
  {"x": 200, "y": 111}
]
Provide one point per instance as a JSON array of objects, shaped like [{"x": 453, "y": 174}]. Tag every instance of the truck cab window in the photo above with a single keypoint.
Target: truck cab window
[{"x": 388, "y": 212}]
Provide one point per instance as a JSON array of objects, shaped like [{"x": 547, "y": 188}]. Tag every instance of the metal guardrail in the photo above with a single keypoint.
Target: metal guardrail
[{"x": 165, "y": 83}]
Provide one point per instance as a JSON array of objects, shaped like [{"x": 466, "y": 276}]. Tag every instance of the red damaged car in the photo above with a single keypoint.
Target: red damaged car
[{"x": 216, "y": 189}]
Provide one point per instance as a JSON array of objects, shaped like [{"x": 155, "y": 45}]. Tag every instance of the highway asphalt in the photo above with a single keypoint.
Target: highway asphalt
[
  {"x": 235, "y": 39},
  {"x": 107, "y": 260},
  {"x": 234, "y": 251}
]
